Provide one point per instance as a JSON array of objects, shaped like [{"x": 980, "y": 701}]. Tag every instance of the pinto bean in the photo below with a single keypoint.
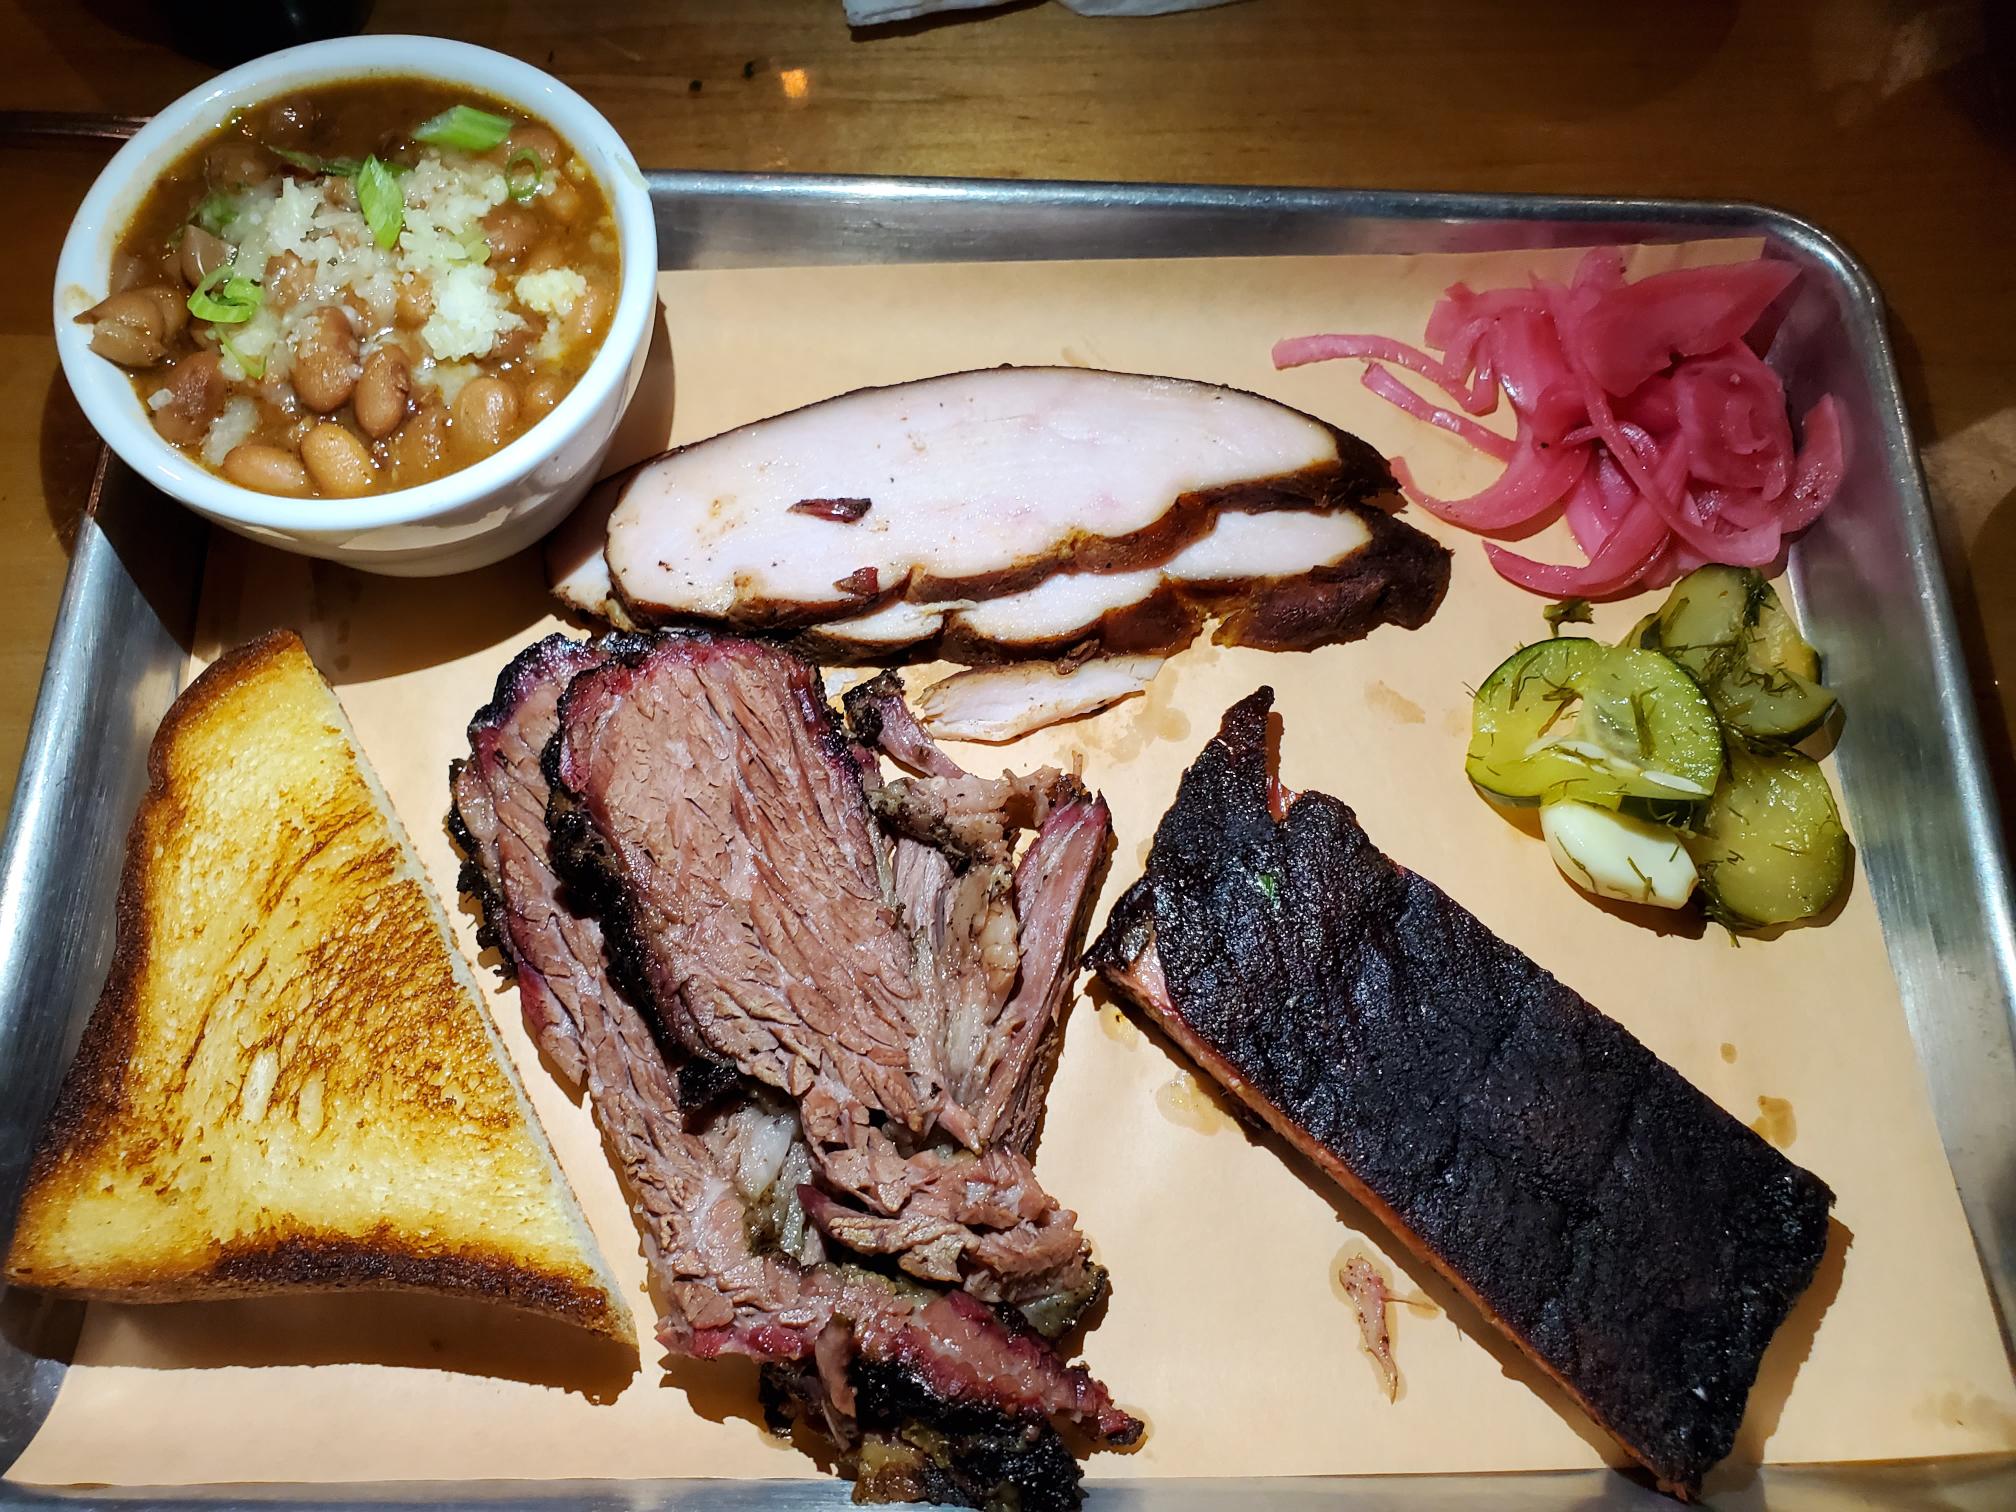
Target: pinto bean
[
  {"x": 589, "y": 314},
  {"x": 382, "y": 390},
  {"x": 287, "y": 281},
  {"x": 561, "y": 199},
  {"x": 290, "y": 121},
  {"x": 541, "y": 394},
  {"x": 134, "y": 327},
  {"x": 486, "y": 413},
  {"x": 174, "y": 307},
  {"x": 512, "y": 231},
  {"x": 517, "y": 341},
  {"x": 129, "y": 270},
  {"x": 266, "y": 469},
  {"x": 537, "y": 139},
  {"x": 202, "y": 254},
  {"x": 338, "y": 462},
  {"x": 197, "y": 388},
  {"x": 415, "y": 302},
  {"x": 325, "y": 360},
  {"x": 399, "y": 147},
  {"x": 419, "y": 448},
  {"x": 545, "y": 256},
  {"x": 238, "y": 163}
]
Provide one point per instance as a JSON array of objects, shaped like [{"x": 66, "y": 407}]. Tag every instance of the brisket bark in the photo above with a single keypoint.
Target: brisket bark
[
  {"x": 1638, "y": 1242},
  {"x": 719, "y": 1173}
]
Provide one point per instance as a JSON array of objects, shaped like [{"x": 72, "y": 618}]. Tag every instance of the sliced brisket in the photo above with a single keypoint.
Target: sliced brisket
[
  {"x": 742, "y": 1238},
  {"x": 1639, "y": 1243},
  {"x": 688, "y": 1212},
  {"x": 707, "y": 797},
  {"x": 730, "y": 821}
]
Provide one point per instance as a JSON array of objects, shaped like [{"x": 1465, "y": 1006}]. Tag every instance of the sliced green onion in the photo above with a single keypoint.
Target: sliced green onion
[
  {"x": 522, "y": 186},
  {"x": 225, "y": 298},
  {"x": 217, "y": 213},
  {"x": 307, "y": 162},
  {"x": 464, "y": 127},
  {"x": 252, "y": 367},
  {"x": 382, "y": 201},
  {"x": 475, "y": 245}
]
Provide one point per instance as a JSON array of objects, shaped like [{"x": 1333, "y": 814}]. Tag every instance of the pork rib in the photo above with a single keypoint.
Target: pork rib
[{"x": 1635, "y": 1240}]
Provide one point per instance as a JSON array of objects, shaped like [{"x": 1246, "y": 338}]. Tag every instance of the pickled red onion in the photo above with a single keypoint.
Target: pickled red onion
[
  {"x": 1642, "y": 415},
  {"x": 1480, "y": 397},
  {"x": 1396, "y": 393},
  {"x": 1533, "y": 481}
]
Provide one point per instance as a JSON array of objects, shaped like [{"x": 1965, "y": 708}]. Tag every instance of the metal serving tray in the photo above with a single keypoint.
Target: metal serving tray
[{"x": 1867, "y": 579}]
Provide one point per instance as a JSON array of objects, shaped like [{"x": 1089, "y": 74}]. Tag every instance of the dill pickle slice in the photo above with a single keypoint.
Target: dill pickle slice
[
  {"x": 1530, "y": 697},
  {"x": 1572, "y": 718},
  {"x": 1771, "y": 848},
  {"x": 1727, "y": 627}
]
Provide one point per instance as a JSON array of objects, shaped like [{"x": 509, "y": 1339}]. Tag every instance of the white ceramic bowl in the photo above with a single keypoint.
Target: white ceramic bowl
[{"x": 469, "y": 518}]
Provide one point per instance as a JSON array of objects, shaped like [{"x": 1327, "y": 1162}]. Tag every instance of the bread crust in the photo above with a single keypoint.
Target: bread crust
[
  {"x": 97, "y": 1103},
  {"x": 94, "y": 1090}
]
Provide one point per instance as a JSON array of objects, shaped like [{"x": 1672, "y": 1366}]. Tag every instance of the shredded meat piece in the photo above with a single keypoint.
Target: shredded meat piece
[{"x": 1370, "y": 1299}]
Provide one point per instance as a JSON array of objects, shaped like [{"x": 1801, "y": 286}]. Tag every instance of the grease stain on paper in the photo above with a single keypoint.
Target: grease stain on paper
[
  {"x": 1390, "y": 701},
  {"x": 1728, "y": 1053},
  {"x": 1775, "y": 1122},
  {"x": 1119, "y": 1028},
  {"x": 1970, "y": 1410},
  {"x": 1156, "y": 718},
  {"x": 1190, "y": 1104}
]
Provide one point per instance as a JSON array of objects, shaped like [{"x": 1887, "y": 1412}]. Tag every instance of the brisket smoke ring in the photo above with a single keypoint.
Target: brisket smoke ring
[
  {"x": 1633, "y": 1239},
  {"x": 813, "y": 1033}
]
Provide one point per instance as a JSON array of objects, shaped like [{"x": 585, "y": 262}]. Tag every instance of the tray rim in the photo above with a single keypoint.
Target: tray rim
[{"x": 98, "y": 576}]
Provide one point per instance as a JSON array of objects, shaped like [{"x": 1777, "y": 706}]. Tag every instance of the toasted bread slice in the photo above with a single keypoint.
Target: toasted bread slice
[{"x": 291, "y": 1080}]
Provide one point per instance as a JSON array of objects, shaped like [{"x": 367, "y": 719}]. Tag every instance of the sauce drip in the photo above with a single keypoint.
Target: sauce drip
[
  {"x": 1119, "y": 1028},
  {"x": 1775, "y": 1122},
  {"x": 1187, "y": 1102}
]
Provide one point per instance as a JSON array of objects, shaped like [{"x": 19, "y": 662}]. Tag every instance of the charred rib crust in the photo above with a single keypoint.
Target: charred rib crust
[{"x": 1634, "y": 1238}]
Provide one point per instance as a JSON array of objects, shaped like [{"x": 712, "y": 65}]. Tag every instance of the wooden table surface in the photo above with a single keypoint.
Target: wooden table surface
[{"x": 1887, "y": 122}]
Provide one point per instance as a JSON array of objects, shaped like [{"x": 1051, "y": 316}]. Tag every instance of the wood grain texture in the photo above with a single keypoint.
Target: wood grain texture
[{"x": 1888, "y": 122}]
